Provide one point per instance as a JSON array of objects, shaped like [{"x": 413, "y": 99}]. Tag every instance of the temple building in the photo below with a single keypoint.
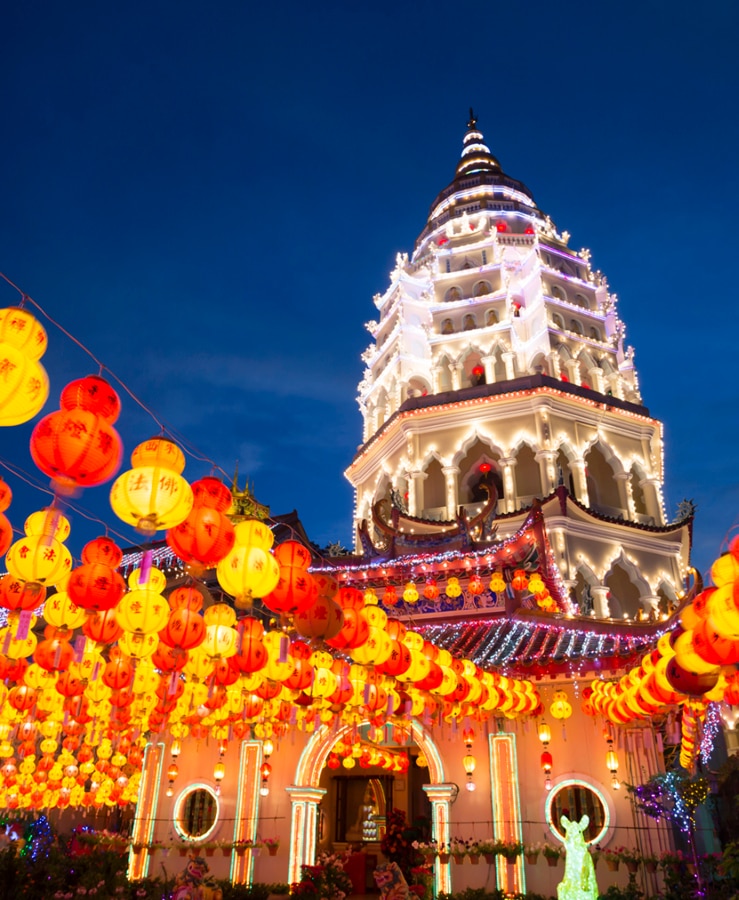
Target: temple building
[{"x": 504, "y": 654}]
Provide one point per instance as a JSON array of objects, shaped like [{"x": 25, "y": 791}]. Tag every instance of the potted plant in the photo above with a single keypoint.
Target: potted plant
[
  {"x": 209, "y": 847},
  {"x": 241, "y": 846},
  {"x": 272, "y": 844},
  {"x": 551, "y": 854},
  {"x": 474, "y": 852},
  {"x": 444, "y": 854},
  {"x": 631, "y": 858},
  {"x": 613, "y": 858},
  {"x": 458, "y": 850},
  {"x": 531, "y": 852},
  {"x": 489, "y": 850},
  {"x": 427, "y": 849},
  {"x": 511, "y": 850},
  {"x": 650, "y": 863},
  {"x": 225, "y": 847}
]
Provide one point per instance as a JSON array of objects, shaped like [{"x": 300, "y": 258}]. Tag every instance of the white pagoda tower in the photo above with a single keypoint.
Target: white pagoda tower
[{"x": 498, "y": 367}]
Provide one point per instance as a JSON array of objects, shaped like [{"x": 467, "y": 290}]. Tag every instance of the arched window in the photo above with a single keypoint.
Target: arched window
[
  {"x": 558, "y": 321},
  {"x": 491, "y": 317},
  {"x": 581, "y": 301},
  {"x": 453, "y": 294},
  {"x": 469, "y": 323},
  {"x": 482, "y": 288},
  {"x": 594, "y": 333},
  {"x": 434, "y": 491},
  {"x": 602, "y": 485},
  {"x": 528, "y": 476},
  {"x": 447, "y": 327},
  {"x": 575, "y": 326},
  {"x": 558, "y": 293},
  {"x": 623, "y": 594}
]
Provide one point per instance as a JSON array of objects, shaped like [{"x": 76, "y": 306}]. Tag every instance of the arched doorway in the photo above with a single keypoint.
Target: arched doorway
[{"x": 307, "y": 793}]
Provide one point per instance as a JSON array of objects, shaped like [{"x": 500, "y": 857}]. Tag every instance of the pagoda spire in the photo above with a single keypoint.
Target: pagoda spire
[{"x": 476, "y": 155}]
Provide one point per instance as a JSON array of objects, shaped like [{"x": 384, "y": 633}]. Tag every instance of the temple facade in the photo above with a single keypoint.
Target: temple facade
[{"x": 511, "y": 541}]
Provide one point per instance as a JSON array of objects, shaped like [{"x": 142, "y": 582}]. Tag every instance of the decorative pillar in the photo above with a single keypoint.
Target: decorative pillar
[
  {"x": 652, "y": 488},
  {"x": 548, "y": 475},
  {"x": 509, "y": 358},
  {"x": 247, "y": 810},
  {"x": 489, "y": 365},
  {"x": 456, "y": 369},
  {"x": 577, "y": 468},
  {"x": 506, "y": 809},
  {"x": 596, "y": 379},
  {"x": 615, "y": 386},
  {"x": 602, "y": 608},
  {"x": 573, "y": 371},
  {"x": 626, "y": 497},
  {"x": 450, "y": 479},
  {"x": 415, "y": 492},
  {"x": 436, "y": 379},
  {"x": 555, "y": 361},
  {"x": 509, "y": 483},
  {"x": 145, "y": 818},
  {"x": 441, "y": 796},
  {"x": 304, "y": 820}
]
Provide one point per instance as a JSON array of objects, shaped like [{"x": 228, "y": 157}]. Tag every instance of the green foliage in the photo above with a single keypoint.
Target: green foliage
[
  {"x": 630, "y": 892},
  {"x": 250, "y": 892},
  {"x": 475, "y": 894}
]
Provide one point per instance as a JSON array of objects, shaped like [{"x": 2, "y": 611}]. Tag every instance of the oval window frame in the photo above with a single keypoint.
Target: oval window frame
[
  {"x": 179, "y": 807},
  {"x": 603, "y": 835}
]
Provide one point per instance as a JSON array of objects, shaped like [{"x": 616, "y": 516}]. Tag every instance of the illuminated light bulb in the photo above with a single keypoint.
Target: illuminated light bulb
[
  {"x": 545, "y": 732},
  {"x": 268, "y": 748},
  {"x": 264, "y": 790},
  {"x": 219, "y": 772},
  {"x": 169, "y": 792},
  {"x": 176, "y": 748},
  {"x": 615, "y": 783},
  {"x": 470, "y": 785}
]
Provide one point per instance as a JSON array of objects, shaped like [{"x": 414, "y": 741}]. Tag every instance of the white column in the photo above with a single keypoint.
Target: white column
[
  {"x": 577, "y": 468},
  {"x": 440, "y": 796},
  {"x": 415, "y": 492},
  {"x": 304, "y": 819},
  {"x": 599, "y": 593},
  {"x": 652, "y": 488},
  {"x": 508, "y": 359},
  {"x": 596, "y": 379},
  {"x": 450, "y": 478},
  {"x": 489, "y": 365},
  {"x": 546, "y": 459},
  {"x": 456, "y": 376},
  {"x": 555, "y": 366},
  {"x": 509, "y": 483},
  {"x": 623, "y": 480}
]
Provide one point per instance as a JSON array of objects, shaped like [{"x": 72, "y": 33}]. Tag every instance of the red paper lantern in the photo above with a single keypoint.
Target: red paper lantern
[
  {"x": 204, "y": 538},
  {"x": 295, "y": 592},
  {"x": 102, "y": 627},
  {"x": 77, "y": 445},
  {"x": 16, "y": 594},
  {"x": 252, "y": 655},
  {"x": 184, "y": 630},
  {"x": 103, "y": 551},
  {"x": 95, "y": 587},
  {"x": 53, "y": 654}
]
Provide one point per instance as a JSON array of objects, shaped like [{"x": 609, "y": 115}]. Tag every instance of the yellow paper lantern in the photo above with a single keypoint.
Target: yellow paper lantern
[
  {"x": 153, "y": 495},
  {"x": 24, "y": 387},
  {"x": 40, "y": 556},
  {"x": 247, "y": 572},
  {"x": 142, "y": 612}
]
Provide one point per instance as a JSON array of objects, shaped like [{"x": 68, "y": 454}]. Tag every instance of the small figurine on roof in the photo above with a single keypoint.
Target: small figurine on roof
[{"x": 194, "y": 883}]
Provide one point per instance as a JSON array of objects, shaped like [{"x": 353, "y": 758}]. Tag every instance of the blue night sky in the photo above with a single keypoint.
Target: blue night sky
[{"x": 207, "y": 196}]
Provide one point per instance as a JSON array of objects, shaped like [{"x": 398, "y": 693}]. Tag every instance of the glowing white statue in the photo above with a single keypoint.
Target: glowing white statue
[{"x": 579, "y": 882}]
